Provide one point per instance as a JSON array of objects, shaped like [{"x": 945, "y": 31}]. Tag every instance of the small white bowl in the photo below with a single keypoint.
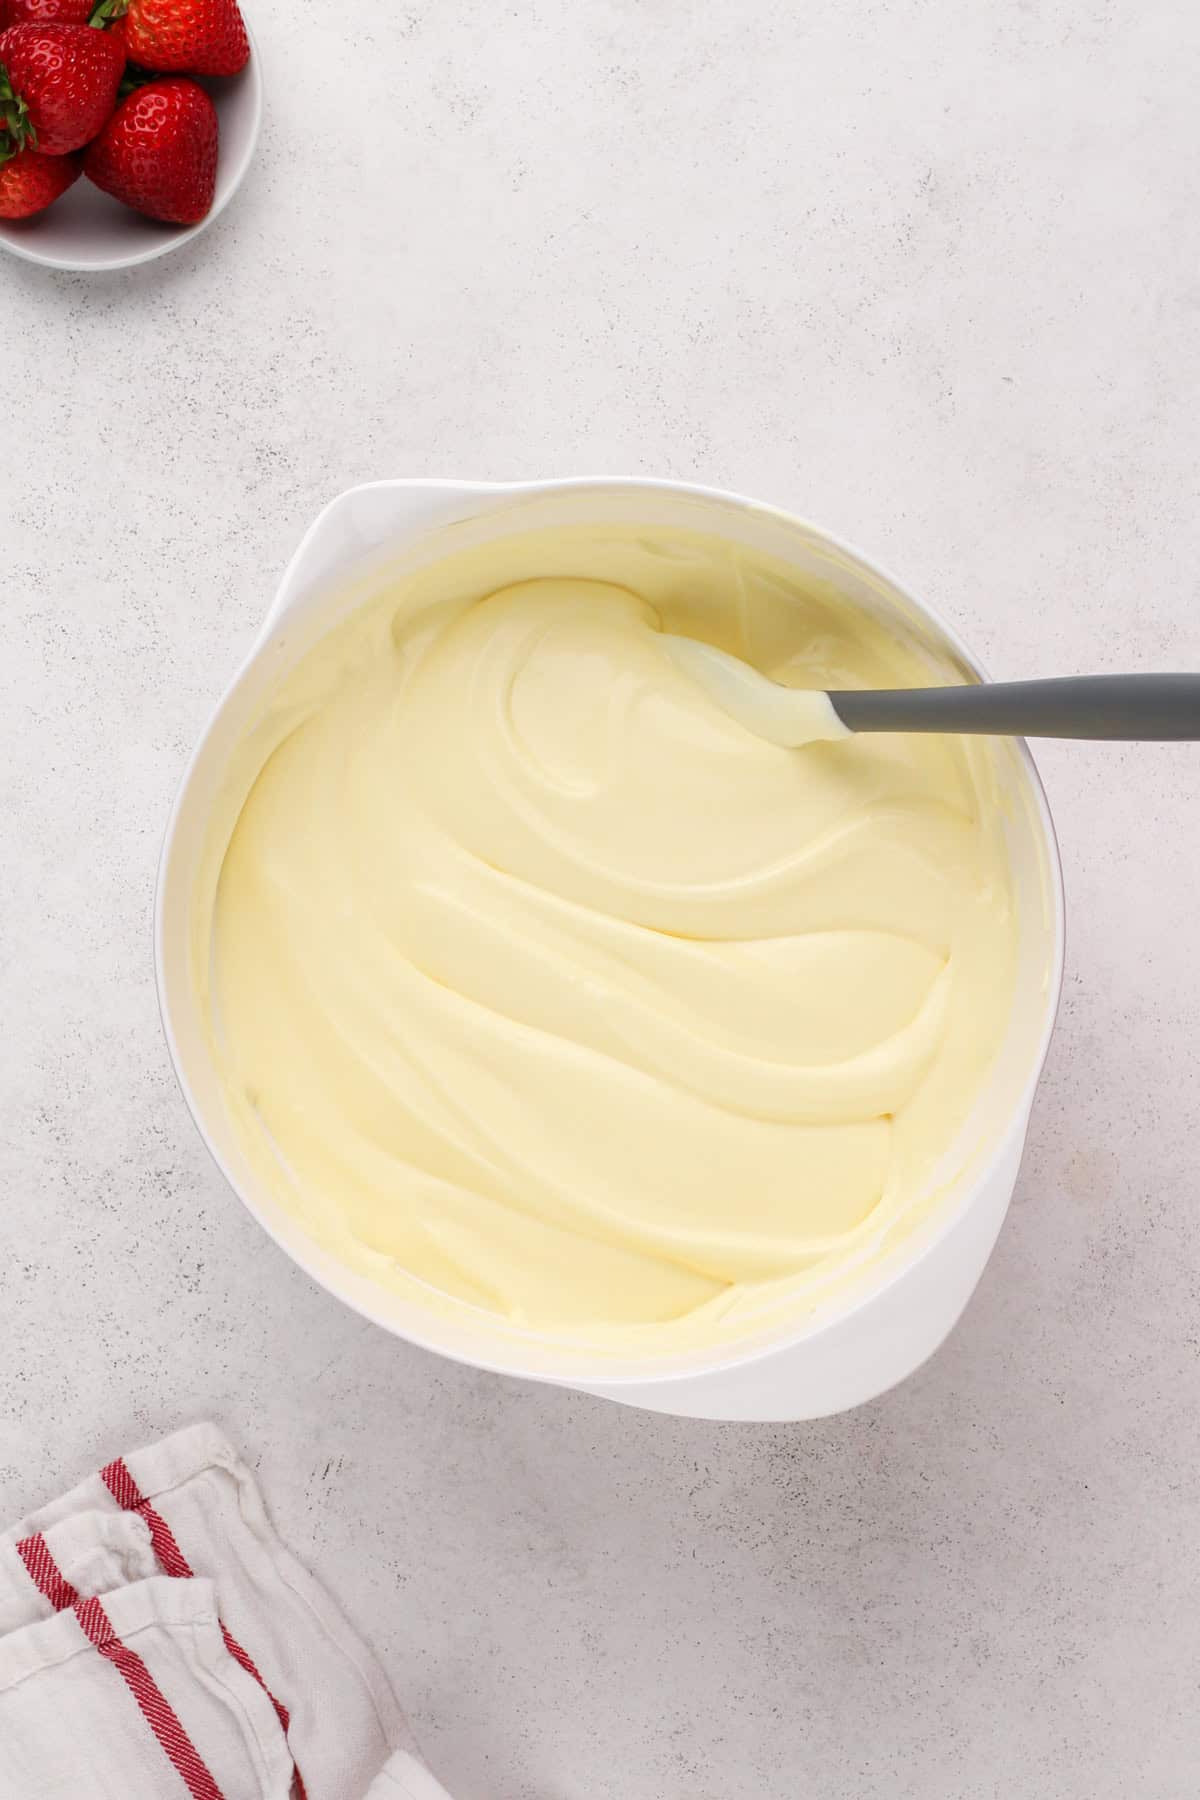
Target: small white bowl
[{"x": 88, "y": 230}]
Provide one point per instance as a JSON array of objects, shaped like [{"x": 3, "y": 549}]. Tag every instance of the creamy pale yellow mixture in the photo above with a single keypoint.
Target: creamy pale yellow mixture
[{"x": 539, "y": 980}]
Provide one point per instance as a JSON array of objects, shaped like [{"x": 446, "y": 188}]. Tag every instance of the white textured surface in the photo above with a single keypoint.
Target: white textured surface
[{"x": 927, "y": 273}]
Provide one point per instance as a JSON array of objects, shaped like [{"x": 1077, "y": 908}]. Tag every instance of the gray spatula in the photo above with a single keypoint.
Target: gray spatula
[{"x": 1145, "y": 707}]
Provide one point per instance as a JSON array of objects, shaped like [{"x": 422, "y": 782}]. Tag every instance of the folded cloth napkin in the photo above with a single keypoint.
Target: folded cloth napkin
[{"x": 160, "y": 1640}]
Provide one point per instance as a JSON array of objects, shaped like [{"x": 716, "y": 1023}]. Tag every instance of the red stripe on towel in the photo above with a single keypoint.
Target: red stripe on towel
[
  {"x": 157, "y": 1710},
  {"x": 125, "y": 1491},
  {"x": 96, "y": 1626},
  {"x": 45, "y": 1573}
]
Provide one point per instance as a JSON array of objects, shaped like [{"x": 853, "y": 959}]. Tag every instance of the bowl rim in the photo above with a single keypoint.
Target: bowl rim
[
  {"x": 617, "y": 1377},
  {"x": 181, "y": 235}
]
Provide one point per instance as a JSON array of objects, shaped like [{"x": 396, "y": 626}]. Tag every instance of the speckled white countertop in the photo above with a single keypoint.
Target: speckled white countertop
[{"x": 929, "y": 274}]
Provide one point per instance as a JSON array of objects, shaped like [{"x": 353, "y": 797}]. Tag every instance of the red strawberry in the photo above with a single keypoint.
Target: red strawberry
[
  {"x": 194, "y": 37},
  {"x": 158, "y": 152},
  {"x": 58, "y": 84},
  {"x": 41, "y": 12},
  {"x": 30, "y": 182}
]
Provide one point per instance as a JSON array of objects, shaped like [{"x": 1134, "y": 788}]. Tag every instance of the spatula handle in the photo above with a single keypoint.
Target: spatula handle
[{"x": 1143, "y": 707}]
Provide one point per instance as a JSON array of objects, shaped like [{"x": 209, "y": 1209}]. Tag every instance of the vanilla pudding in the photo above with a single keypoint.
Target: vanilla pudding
[{"x": 537, "y": 983}]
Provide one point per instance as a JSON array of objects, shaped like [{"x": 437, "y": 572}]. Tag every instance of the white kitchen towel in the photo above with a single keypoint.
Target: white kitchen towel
[
  {"x": 406, "y": 1779},
  {"x": 189, "y": 1508},
  {"x": 135, "y": 1697}
]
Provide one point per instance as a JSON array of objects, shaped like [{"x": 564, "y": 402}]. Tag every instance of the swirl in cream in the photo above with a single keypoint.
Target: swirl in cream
[{"x": 555, "y": 990}]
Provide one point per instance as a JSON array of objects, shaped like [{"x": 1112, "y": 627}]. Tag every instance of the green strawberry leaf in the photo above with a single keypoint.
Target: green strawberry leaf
[{"x": 16, "y": 127}]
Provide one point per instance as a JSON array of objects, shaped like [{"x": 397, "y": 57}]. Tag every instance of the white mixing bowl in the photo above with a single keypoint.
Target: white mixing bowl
[{"x": 871, "y": 1336}]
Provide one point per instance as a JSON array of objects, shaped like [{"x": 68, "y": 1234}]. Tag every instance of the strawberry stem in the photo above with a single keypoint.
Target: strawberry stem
[
  {"x": 133, "y": 79},
  {"x": 16, "y": 127},
  {"x": 107, "y": 12}
]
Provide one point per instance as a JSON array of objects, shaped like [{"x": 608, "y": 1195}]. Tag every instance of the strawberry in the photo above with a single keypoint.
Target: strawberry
[
  {"x": 158, "y": 152},
  {"x": 58, "y": 84},
  {"x": 30, "y": 182},
  {"x": 193, "y": 37},
  {"x": 41, "y": 12}
]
